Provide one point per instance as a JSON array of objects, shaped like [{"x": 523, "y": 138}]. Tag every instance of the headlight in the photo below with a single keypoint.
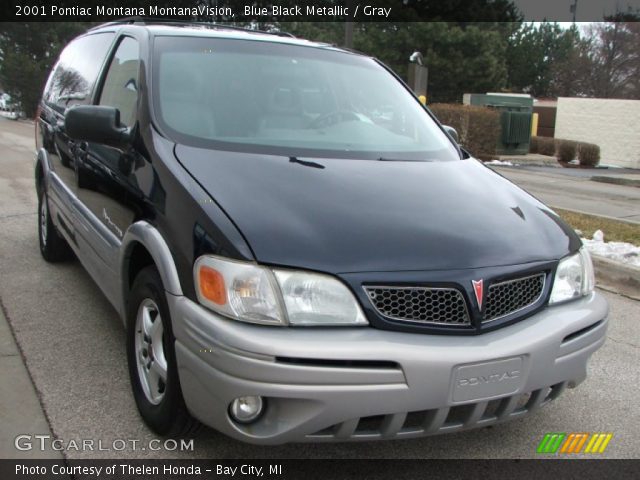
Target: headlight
[
  {"x": 574, "y": 277},
  {"x": 313, "y": 299},
  {"x": 256, "y": 294}
]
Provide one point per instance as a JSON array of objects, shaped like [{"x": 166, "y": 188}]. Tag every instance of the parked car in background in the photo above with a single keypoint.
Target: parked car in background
[
  {"x": 298, "y": 249},
  {"x": 9, "y": 108}
]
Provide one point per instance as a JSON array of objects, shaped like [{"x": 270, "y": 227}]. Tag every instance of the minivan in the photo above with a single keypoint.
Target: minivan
[{"x": 298, "y": 249}]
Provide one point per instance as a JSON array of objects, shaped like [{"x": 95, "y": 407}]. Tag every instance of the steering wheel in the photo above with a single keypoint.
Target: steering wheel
[{"x": 333, "y": 118}]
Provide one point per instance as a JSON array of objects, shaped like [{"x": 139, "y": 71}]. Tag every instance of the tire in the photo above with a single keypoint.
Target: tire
[
  {"x": 152, "y": 361},
  {"x": 53, "y": 247}
]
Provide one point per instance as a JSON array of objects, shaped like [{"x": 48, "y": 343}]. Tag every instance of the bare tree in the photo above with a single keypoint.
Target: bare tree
[{"x": 614, "y": 55}]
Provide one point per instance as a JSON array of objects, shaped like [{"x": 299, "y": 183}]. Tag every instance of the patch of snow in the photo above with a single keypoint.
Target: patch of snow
[
  {"x": 500, "y": 162},
  {"x": 622, "y": 252},
  {"x": 609, "y": 165}
]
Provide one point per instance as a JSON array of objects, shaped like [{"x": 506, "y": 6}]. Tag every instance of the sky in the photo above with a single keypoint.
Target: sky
[{"x": 558, "y": 10}]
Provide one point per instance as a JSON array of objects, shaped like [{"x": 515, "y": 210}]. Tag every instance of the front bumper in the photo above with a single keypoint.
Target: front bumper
[{"x": 337, "y": 384}]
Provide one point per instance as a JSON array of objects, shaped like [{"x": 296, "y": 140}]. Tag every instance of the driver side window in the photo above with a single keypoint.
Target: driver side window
[{"x": 120, "y": 88}]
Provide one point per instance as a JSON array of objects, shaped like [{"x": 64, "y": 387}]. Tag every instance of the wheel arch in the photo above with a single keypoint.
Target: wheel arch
[
  {"x": 144, "y": 245},
  {"x": 41, "y": 169}
]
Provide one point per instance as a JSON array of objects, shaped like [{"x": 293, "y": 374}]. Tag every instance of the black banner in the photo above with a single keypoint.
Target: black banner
[
  {"x": 262, "y": 11},
  {"x": 316, "y": 469}
]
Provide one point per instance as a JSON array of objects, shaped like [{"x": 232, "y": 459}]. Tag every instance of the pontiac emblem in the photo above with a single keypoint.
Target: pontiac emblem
[{"x": 477, "y": 289}]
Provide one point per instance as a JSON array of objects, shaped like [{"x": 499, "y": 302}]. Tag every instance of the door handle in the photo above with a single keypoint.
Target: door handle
[
  {"x": 79, "y": 149},
  {"x": 59, "y": 126}
]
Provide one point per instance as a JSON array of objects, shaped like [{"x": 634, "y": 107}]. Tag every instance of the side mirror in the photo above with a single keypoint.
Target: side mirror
[
  {"x": 452, "y": 133},
  {"x": 97, "y": 124}
]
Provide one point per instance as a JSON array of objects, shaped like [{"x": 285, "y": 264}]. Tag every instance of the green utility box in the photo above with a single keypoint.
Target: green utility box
[{"x": 515, "y": 119}]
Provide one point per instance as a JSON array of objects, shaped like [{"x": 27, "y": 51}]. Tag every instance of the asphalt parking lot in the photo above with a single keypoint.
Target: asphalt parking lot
[{"x": 72, "y": 342}]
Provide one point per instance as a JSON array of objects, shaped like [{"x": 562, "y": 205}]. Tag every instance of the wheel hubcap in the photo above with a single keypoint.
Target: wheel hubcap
[
  {"x": 44, "y": 214},
  {"x": 150, "y": 354}
]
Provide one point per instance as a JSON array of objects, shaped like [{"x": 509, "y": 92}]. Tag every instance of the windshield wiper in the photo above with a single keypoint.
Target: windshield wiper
[{"x": 305, "y": 163}]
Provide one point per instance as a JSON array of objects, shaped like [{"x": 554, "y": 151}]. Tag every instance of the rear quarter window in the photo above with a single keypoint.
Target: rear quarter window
[{"x": 74, "y": 76}]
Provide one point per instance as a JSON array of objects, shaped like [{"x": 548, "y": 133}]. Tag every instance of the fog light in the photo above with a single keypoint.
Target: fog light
[{"x": 246, "y": 409}]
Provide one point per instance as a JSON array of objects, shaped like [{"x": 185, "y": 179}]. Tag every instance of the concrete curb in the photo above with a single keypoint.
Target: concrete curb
[
  {"x": 21, "y": 411},
  {"x": 618, "y": 277},
  {"x": 629, "y": 182}
]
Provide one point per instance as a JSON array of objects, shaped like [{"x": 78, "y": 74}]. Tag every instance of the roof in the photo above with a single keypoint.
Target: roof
[{"x": 213, "y": 30}]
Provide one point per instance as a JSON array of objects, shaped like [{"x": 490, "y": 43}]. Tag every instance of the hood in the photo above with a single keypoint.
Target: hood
[{"x": 340, "y": 216}]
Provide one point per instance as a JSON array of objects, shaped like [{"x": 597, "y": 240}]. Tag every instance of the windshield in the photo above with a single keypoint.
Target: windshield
[{"x": 280, "y": 99}]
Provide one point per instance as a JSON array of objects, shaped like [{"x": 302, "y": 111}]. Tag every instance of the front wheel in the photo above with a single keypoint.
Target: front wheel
[{"x": 151, "y": 357}]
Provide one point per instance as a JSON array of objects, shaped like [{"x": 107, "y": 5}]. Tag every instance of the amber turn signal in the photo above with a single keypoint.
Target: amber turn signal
[{"x": 212, "y": 285}]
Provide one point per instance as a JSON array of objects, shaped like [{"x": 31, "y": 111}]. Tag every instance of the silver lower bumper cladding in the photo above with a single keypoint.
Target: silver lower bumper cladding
[{"x": 354, "y": 384}]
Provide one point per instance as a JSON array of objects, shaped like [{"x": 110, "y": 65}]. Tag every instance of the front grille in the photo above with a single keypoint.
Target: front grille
[
  {"x": 511, "y": 296},
  {"x": 440, "y": 306}
]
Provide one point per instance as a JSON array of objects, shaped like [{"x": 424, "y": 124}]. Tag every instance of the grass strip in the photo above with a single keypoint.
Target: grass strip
[{"x": 614, "y": 231}]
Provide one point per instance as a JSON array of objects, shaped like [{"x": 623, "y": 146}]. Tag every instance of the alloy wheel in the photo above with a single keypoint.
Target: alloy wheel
[{"x": 150, "y": 354}]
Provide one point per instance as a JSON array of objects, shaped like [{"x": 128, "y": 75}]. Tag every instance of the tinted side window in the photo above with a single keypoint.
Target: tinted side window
[
  {"x": 120, "y": 88},
  {"x": 76, "y": 72}
]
